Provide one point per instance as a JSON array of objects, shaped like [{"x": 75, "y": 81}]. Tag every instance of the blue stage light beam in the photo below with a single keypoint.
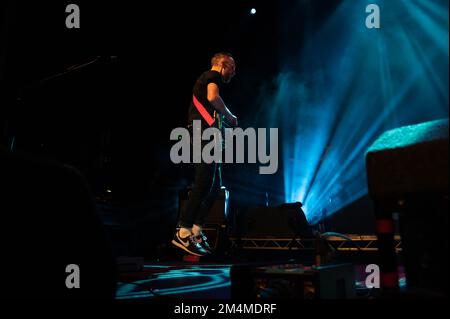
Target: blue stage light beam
[{"x": 347, "y": 86}]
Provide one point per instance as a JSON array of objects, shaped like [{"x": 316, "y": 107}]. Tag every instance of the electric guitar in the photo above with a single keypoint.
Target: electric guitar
[{"x": 221, "y": 124}]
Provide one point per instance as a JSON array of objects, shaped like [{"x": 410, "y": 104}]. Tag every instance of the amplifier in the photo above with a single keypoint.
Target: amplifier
[
  {"x": 284, "y": 221},
  {"x": 293, "y": 281},
  {"x": 218, "y": 211}
]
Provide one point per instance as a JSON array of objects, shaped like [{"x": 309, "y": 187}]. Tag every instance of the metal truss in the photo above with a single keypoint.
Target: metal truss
[{"x": 367, "y": 243}]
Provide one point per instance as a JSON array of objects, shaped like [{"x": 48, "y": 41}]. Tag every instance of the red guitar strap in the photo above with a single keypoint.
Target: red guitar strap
[{"x": 203, "y": 112}]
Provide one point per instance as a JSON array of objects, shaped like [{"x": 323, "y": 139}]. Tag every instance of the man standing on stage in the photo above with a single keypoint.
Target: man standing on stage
[{"x": 205, "y": 101}]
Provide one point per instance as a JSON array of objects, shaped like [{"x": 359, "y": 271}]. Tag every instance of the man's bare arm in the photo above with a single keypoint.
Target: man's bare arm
[{"x": 215, "y": 99}]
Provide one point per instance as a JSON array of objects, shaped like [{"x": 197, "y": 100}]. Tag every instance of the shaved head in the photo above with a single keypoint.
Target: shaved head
[{"x": 221, "y": 58}]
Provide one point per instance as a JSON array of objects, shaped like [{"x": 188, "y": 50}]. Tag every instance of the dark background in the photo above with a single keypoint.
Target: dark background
[{"x": 111, "y": 119}]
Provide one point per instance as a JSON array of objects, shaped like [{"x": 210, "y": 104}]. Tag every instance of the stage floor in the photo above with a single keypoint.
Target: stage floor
[{"x": 180, "y": 280}]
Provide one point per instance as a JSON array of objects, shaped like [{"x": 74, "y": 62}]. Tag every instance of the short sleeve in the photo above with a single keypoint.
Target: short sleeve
[{"x": 214, "y": 77}]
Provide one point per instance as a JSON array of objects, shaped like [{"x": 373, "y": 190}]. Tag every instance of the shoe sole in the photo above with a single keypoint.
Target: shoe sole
[{"x": 185, "y": 249}]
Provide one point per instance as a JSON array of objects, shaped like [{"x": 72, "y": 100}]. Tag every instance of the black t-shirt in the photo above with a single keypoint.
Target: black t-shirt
[{"x": 200, "y": 91}]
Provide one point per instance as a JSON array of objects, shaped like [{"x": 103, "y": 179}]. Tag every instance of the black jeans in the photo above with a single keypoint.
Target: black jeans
[{"x": 204, "y": 190}]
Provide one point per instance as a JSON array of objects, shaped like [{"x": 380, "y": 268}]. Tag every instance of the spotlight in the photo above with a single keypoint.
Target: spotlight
[{"x": 253, "y": 11}]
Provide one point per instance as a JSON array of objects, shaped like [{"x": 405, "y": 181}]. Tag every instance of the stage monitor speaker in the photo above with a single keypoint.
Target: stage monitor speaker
[
  {"x": 409, "y": 159},
  {"x": 407, "y": 174},
  {"x": 291, "y": 281},
  {"x": 284, "y": 221}
]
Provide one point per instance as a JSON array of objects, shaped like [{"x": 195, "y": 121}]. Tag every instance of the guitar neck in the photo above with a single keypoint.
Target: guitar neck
[{"x": 221, "y": 122}]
